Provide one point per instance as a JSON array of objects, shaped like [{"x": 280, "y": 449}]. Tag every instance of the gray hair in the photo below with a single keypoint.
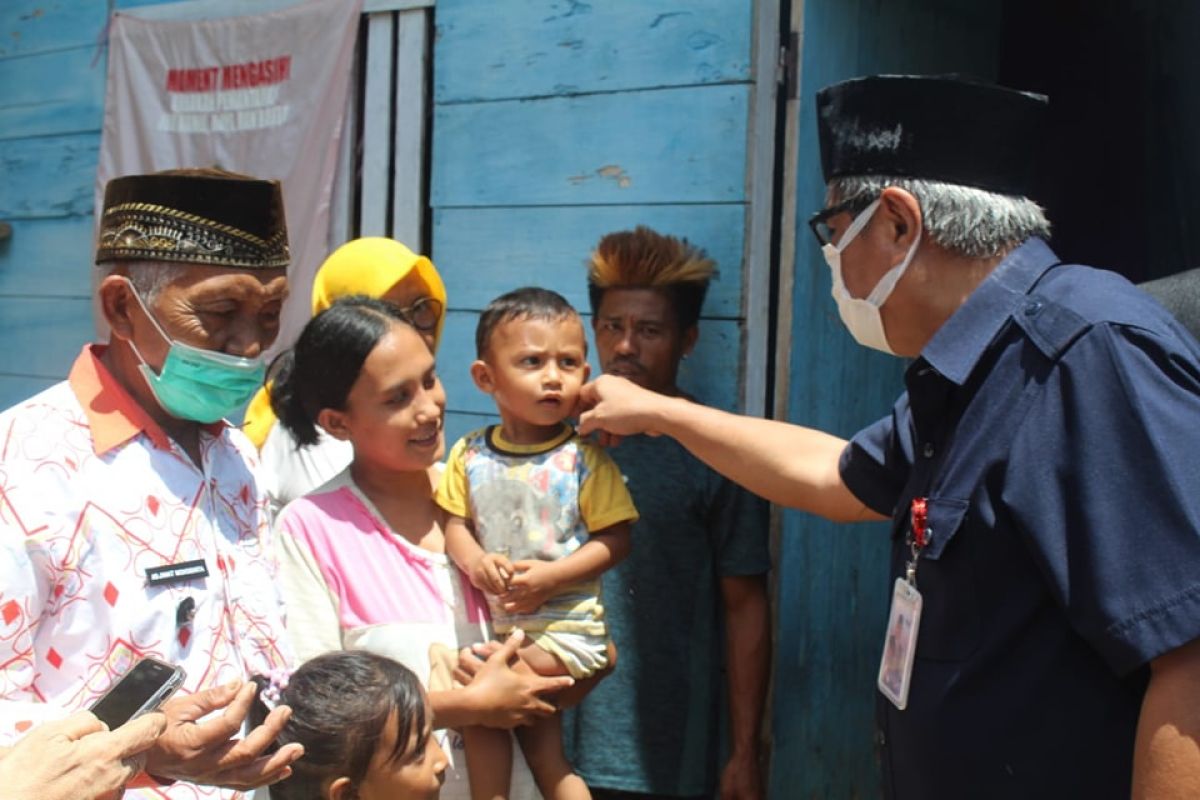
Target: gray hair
[
  {"x": 147, "y": 277},
  {"x": 964, "y": 220}
]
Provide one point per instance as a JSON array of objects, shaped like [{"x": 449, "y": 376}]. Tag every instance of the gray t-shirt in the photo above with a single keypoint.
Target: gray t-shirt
[{"x": 654, "y": 724}]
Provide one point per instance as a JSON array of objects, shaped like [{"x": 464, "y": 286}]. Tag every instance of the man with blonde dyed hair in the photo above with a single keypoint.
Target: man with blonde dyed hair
[{"x": 700, "y": 561}]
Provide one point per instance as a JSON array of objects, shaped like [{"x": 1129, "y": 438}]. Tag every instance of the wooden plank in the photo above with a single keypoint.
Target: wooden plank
[
  {"x": 408, "y": 190},
  {"x": 48, "y": 176},
  {"x": 341, "y": 204},
  {"x": 371, "y": 6},
  {"x": 37, "y": 26},
  {"x": 710, "y": 373},
  {"x": 483, "y": 252},
  {"x": 42, "y": 336},
  {"x": 211, "y": 9},
  {"x": 16, "y": 388},
  {"x": 760, "y": 166},
  {"x": 47, "y": 257},
  {"x": 536, "y": 49},
  {"x": 200, "y": 9},
  {"x": 662, "y": 146},
  {"x": 376, "y": 132},
  {"x": 36, "y": 100},
  {"x": 784, "y": 286}
]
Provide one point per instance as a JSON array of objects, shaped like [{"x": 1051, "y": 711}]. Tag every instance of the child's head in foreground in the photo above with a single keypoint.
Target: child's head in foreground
[
  {"x": 532, "y": 359},
  {"x": 366, "y": 727}
]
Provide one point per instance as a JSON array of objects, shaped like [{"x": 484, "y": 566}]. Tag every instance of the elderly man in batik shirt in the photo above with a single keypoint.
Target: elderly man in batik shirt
[{"x": 131, "y": 523}]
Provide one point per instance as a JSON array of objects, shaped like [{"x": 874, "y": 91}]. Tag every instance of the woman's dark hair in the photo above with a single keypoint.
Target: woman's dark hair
[
  {"x": 340, "y": 704},
  {"x": 323, "y": 365}
]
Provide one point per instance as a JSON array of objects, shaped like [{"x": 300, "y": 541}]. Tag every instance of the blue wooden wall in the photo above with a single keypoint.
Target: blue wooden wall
[
  {"x": 51, "y": 98},
  {"x": 833, "y": 586},
  {"x": 52, "y": 72},
  {"x": 556, "y": 121}
]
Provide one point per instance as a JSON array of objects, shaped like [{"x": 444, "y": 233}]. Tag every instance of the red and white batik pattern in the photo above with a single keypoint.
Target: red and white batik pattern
[{"x": 82, "y": 519}]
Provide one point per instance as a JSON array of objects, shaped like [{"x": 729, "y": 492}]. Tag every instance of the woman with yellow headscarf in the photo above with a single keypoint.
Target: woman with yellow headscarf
[{"x": 373, "y": 266}]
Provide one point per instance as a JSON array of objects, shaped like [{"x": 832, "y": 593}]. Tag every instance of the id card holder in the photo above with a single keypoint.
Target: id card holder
[{"x": 900, "y": 644}]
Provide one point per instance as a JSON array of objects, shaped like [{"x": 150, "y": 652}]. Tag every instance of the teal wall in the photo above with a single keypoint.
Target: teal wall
[
  {"x": 833, "y": 586},
  {"x": 51, "y": 103},
  {"x": 555, "y": 122},
  {"x": 52, "y": 72}
]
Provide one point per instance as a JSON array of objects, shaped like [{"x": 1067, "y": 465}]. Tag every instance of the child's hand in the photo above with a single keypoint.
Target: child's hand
[
  {"x": 532, "y": 583},
  {"x": 491, "y": 572}
]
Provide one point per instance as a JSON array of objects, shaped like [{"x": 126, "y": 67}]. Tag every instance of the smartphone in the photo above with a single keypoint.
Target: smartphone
[{"x": 139, "y": 691}]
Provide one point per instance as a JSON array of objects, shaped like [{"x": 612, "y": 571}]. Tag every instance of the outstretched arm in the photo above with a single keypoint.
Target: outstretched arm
[
  {"x": 536, "y": 581},
  {"x": 787, "y": 464}
]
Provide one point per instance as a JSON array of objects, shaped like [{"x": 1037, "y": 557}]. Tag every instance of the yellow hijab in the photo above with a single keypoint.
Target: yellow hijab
[{"x": 370, "y": 266}]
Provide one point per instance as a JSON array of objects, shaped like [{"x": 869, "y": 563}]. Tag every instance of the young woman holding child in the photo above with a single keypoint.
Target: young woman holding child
[{"x": 362, "y": 558}]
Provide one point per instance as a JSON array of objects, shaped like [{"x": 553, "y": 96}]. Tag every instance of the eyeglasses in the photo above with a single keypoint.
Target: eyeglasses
[
  {"x": 424, "y": 314},
  {"x": 818, "y": 222}
]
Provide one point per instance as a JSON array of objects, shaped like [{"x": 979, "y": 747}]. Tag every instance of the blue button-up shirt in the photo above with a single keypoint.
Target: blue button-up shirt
[{"x": 1053, "y": 423}]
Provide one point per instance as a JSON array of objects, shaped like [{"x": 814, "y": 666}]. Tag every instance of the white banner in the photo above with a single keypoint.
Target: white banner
[{"x": 263, "y": 95}]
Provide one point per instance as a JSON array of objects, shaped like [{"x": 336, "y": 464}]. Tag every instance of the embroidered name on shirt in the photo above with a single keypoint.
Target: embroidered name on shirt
[{"x": 176, "y": 573}]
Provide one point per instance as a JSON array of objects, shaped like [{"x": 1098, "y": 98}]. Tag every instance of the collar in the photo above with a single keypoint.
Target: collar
[
  {"x": 962, "y": 340},
  {"x": 497, "y": 442},
  {"x": 114, "y": 416}
]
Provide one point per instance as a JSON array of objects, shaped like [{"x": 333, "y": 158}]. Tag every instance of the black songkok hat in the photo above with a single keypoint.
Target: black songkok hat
[
  {"x": 194, "y": 219},
  {"x": 939, "y": 128}
]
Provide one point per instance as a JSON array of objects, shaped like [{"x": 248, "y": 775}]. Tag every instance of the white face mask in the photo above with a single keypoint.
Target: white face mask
[{"x": 861, "y": 315}]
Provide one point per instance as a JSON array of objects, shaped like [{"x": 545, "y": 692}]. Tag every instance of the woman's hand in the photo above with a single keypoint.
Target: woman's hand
[{"x": 505, "y": 692}]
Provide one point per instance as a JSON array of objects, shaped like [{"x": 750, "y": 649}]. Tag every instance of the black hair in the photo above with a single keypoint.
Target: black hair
[
  {"x": 340, "y": 703},
  {"x": 528, "y": 302},
  {"x": 320, "y": 369}
]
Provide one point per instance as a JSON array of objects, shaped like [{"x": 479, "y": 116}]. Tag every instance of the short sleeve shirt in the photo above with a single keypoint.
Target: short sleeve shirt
[
  {"x": 537, "y": 502},
  {"x": 93, "y": 495},
  {"x": 1052, "y": 423}
]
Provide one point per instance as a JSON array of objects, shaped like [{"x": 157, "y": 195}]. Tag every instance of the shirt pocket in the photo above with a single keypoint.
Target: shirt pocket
[{"x": 950, "y": 617}]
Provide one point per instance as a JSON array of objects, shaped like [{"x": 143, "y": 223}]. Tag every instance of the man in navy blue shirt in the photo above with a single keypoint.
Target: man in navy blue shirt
[{"x": 1040, "y": 471}]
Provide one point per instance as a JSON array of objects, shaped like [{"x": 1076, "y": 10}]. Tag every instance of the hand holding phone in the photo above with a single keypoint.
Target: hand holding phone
[
  {"x": 139, "y": 691},
  {"x": 76, "y": 759}
]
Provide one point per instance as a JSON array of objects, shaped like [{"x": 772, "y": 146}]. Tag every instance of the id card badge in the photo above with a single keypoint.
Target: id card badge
[{"x": 900, "y": 644}]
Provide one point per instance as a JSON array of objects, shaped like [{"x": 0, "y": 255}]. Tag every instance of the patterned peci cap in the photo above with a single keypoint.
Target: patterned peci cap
[{"x": 215, "y": 219}]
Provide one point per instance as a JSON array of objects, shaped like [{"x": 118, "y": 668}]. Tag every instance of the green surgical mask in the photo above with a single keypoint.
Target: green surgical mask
[{"x": 196, "y": 384}]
